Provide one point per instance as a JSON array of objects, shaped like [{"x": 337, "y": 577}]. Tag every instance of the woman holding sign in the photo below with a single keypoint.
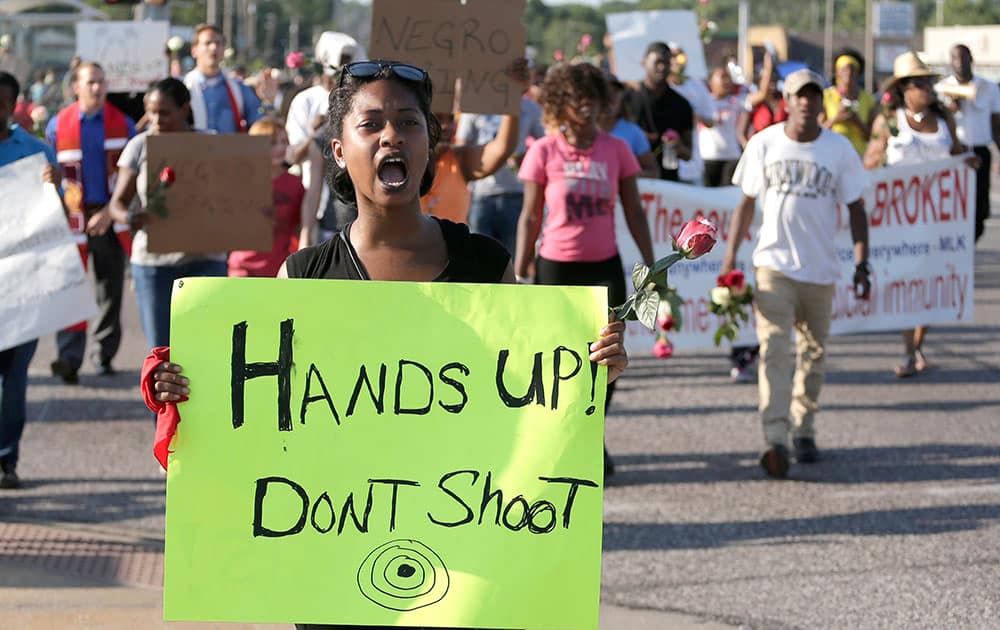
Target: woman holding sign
[
  {"x": 168, "y": 110},
  {"x": 579, "y": 174},
  {"x": 383, "y": 135}
]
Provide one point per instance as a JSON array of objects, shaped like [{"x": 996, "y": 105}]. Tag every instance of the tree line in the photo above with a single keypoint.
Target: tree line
[{"x": 561, "y": 27}]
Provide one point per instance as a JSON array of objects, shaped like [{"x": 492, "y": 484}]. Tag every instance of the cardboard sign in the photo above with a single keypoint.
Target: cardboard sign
[
  {"x": 433, "y": 459},
  {"x": 921, "y": 246},
  {"x": 221, "y": 199},
  {"x": 42, "y": 280},
  {"x": 632, "y": 31},
  {"x": 131, "y": 53},
  {"x": 468, "y": 45}
]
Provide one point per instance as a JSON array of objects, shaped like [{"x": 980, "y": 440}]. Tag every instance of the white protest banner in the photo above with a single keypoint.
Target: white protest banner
[
  {"x": 920, "y": 228},
  {"x": 131, "y": 53},
  {"x": 42, "y": 281},
  {"x": 632, "y": 31}
]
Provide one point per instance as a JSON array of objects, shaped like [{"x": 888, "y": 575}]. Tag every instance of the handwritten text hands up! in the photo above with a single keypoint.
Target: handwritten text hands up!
[{"x": 696, "y": 239}]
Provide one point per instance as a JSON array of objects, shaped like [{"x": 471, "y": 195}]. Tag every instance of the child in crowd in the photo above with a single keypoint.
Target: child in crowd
[{"x": 288, "y": 211}]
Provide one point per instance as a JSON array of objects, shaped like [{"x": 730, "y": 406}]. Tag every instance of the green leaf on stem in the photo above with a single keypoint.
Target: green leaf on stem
[
  {"x": 640, "y": 275},
  {"x": 625, "y": 312},
  {"x": 718, "y": 335},
  {"x": 647, "y": 303}
]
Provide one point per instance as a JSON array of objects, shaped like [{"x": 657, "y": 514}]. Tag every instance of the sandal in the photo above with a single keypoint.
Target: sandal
[
  {"x": 907, "y": 368},
  {"x": 920, "y": 361}
]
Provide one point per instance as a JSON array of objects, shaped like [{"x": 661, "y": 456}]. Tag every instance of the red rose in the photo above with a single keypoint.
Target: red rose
[
  {"x": 887, "y": 98},
  {"x": 295, "y": 59},
  {"x": 665, "y": 323},
  {"x": 670, "y": 135},
  {"x": 167, "y": 176},
  {"x": 663, "y": 349},
  {"x": 734, "y": 280},
  {"x": 696, "y": 239}
]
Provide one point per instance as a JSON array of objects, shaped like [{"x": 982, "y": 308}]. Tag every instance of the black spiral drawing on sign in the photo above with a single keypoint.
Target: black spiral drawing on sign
[{"x": 403, "y": 575}]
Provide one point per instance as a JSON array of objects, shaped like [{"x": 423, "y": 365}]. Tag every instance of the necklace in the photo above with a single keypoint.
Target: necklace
[{"x": 918, "y": 117}]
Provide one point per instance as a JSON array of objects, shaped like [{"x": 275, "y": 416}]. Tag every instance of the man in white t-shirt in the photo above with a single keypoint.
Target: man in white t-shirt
[
  {"x": 800, "y": 172},
  {"x": 977, "y": 121},
  {"x": 307, "y": 118}
]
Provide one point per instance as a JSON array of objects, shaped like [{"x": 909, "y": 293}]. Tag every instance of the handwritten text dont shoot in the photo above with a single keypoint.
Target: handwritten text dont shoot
[{"x": 406, "y": 387}]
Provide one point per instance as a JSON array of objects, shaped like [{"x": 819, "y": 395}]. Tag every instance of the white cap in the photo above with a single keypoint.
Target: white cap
[{"x": 331, "y": 48}]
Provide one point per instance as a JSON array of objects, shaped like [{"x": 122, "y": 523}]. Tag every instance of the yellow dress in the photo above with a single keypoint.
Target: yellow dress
[{"x": 864, "y": 107}]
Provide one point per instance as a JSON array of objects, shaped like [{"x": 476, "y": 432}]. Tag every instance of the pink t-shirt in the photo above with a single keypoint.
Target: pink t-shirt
[{"x": 581, "y": 188}]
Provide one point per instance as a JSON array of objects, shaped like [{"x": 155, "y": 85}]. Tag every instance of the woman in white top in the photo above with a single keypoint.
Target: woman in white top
[
  {"x": 719, "y": 144},
  {"x": 913, "y": 128}
]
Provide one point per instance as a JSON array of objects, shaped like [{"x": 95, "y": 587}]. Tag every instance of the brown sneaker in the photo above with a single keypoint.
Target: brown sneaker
[{"x": 775, "y": 461}]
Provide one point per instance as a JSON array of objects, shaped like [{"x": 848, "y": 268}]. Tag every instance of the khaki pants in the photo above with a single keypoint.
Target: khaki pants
[{"x": 781, "y": 304}]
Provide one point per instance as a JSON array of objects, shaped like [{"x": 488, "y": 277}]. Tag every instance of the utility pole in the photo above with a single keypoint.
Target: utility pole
[
  {"x": 293, "y": 33},
  {"x": 828, "y": 39},
  {"x": 270, "y": 33},
  {"x": 743, "y": 54},
  {"x": 227, "y": 21},
  {"x": 212, "y": 12},
  {"x": 252, "y": 29},
  {"x": 869, "y": 46}
]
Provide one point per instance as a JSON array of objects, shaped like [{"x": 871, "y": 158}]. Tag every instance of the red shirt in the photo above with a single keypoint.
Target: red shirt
[
  {"x": 22, "y": 116},
  {"x": 762, "y": 117},
  {"x": 288, "y": 194}
]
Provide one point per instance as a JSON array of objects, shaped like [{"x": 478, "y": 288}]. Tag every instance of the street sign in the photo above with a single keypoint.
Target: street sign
[{"x": 893, "y": 19}]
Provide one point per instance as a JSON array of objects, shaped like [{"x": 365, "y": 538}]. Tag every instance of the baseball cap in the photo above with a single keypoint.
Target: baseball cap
[
  {"x": 332, "y": 46},
  {"x": 799, "y": 79}
]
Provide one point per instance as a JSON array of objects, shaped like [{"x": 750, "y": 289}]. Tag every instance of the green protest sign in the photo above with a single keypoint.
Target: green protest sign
[{"x": 386, "y": 453}]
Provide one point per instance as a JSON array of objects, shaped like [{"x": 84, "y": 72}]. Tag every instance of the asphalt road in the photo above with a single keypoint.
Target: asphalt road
[{"x": 898, "y": 526}]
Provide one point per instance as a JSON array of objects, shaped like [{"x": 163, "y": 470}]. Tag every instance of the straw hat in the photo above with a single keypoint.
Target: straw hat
[{"x": 907, "y": 66}]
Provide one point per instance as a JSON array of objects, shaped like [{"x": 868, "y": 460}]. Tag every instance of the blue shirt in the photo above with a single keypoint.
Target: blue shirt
[
  {"x": 218, "y": 111},
  {"x": 94, "y": 165},
  {"x": 633, "y": 135},
  {"x": 21, "y": 144}
]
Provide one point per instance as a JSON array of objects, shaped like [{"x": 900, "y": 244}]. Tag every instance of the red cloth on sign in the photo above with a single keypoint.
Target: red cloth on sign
[{"x": 167, "y": 416}]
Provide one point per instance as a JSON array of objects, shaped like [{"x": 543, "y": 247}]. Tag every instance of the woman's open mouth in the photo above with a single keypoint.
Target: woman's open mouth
[{"x": 392, "y": 173}]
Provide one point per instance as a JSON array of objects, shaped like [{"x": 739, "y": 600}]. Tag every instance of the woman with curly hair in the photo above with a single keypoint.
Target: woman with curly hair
[{"x": 577, "y": 173}]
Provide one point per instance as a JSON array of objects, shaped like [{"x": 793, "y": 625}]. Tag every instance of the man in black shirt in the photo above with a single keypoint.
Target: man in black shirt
[{"x": 665, "y": 115}]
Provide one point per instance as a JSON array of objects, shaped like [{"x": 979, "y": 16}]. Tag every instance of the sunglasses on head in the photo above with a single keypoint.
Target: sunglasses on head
[{"x": 371, "y": 69}]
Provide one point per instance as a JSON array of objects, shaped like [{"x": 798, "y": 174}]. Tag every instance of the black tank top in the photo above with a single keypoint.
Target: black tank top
[{"x": 471, "y": 258}]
